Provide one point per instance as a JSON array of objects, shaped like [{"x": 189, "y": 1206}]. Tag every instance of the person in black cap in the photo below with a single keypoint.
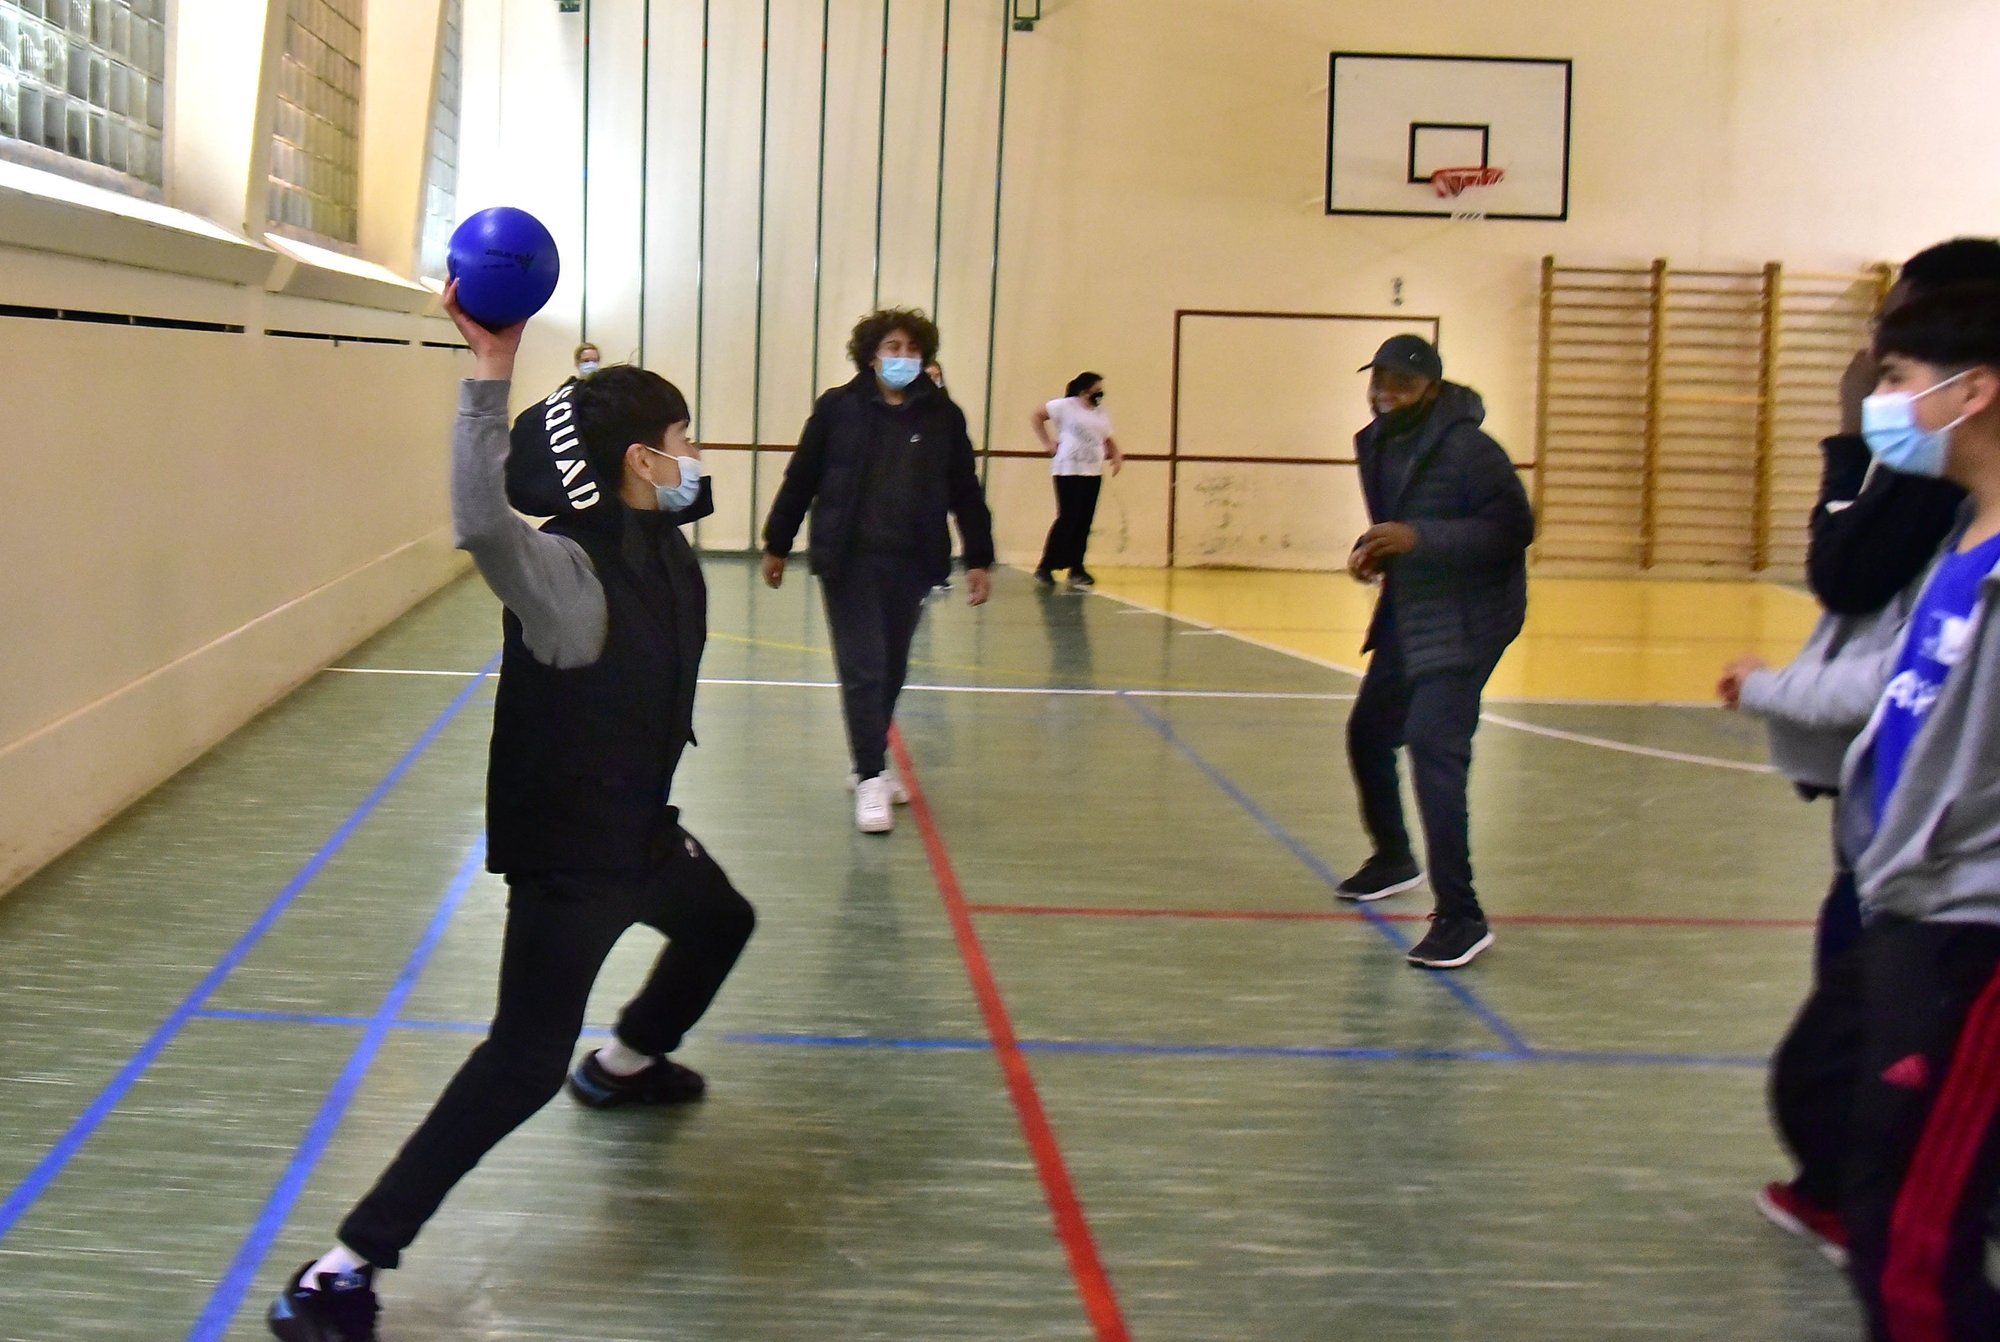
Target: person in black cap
[
  {"x": 606, "y": 616},
  {"x": 1449, "y": 546}
]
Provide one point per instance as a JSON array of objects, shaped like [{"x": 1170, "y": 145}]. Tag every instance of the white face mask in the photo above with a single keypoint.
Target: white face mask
[
  {"x": 675, "y": 498},
  {"x": 587, "y": 367}
]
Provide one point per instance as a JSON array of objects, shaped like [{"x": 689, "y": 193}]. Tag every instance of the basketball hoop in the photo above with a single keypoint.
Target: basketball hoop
[{"x": 1451, "y": 183}]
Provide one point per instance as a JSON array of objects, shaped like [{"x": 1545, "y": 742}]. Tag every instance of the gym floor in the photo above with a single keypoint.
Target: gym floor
[{"x": 1085, "y": 1049}]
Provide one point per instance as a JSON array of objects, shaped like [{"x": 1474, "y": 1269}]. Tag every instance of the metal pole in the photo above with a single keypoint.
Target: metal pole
[
  {"x": 819, "y": 196},
  {"x": 645, "y": 153},
  {"x": 701, "y": 233},
  {"x": 701, "y": 246},
  {"x": 583, "y": 247},
  {"x": 881, "y": 151},
  {"x": 993, "y": 299},
  {"x": 757, "y": 358},
  {"x": 944, "y": 114}
]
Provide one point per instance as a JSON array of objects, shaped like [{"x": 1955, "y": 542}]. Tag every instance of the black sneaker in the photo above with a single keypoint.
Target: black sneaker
[
  {"x": 665, "y": 1082},
  {"x": 1381, "y": 877},
  {"x": 1080, "y": 577},
  {"x": 340, "y": 1308},
  {"x": 1451, "y": 942},
  {"x": 1045, "y": 578}
]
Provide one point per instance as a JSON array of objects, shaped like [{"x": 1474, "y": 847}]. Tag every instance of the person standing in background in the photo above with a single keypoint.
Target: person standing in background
[
  {"x": 587, "y": 359},
  {"x": 1082, "y": 444}
]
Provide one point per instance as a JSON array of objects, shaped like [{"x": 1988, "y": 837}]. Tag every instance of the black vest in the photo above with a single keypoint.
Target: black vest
[{"x": 582, "y": 760}]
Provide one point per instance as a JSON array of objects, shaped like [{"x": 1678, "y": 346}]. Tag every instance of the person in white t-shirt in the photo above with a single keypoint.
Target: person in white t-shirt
[{"x": 1081, "y": 447}]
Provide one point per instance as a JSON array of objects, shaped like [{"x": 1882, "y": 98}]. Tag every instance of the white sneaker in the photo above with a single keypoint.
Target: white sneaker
[
  {"x": 897, "y": 792},
  {"x": 873, "y": 813}
]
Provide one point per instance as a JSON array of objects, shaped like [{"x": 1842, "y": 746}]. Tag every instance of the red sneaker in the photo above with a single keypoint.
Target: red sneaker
[{"x": 1818, "y": 1226}]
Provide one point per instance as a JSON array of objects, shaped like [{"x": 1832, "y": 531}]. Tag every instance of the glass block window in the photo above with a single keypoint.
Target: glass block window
[
  {"x": 86, "y": 79},
  {"x": 441, "y": 178},
  {"x": 316, "y": 133}
]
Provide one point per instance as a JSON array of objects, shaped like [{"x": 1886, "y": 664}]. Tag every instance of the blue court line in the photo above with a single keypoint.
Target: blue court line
[
  {"x": 859, "y": 1041},
  {"x": 52, "y": 1164},
  {"x": 227, "y": 1298},
  {"x": 1490, "y": 1018},
  {"x": 1306, "y": 1052},
  {"x": 1309, "y": 1052}
]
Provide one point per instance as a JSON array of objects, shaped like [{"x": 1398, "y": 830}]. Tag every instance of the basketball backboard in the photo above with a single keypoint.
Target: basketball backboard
[{"x": 1395, "y": 120}]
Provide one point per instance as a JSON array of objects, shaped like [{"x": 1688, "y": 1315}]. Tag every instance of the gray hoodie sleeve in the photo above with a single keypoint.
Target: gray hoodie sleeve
[
  {"x": 547, "y": 581},
  {"x": 1839, "y": 692}
]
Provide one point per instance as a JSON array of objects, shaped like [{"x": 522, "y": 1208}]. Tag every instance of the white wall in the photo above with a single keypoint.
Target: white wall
[
  {"x": 1167, "y": 156},
  {"x": 197, "y": 521}
]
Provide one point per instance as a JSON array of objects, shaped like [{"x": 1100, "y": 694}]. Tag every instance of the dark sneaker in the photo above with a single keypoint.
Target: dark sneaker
[
  {"x": 1045, "y": 578},
  {"x": 1080, "y": 577},
  {"x": 665, "y": 1082},
  {"x": 1451, "y": 942},
  {"x": 338, "y": 1309},
  {"x": 1381, "y": 877},
  {"x": 1785, "y": 1207}
]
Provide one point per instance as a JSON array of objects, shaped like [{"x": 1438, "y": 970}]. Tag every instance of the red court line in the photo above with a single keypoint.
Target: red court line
[
  {"x": 1093, "y": 1283},
  {"x": 1348, "y": 916}
]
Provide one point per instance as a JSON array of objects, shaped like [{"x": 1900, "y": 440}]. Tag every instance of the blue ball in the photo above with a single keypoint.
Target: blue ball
[{"x": 506, "y": 266}]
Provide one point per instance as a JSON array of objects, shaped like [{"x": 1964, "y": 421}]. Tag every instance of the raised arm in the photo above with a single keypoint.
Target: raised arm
[{"x": 546, "y": 581}]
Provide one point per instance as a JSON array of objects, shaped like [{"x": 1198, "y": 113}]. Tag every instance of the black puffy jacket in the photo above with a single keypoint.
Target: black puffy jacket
[
  {"x": 1461, "y": 596},
  {"x": 830, "y": 470}
]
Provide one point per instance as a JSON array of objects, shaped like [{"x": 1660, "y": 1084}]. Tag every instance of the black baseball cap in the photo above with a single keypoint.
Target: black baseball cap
[{"x": 1407, "y": 354}]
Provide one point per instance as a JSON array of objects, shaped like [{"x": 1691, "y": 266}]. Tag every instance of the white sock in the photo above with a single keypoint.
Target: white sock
[
  {"x": 340, "y": 1262},
  {"x": 620, "y": 1061}
]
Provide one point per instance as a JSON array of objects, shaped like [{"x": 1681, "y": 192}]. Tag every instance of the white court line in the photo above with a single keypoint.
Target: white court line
[
  {"x": 1626, "y": 747},
  {"x": 1577, "y": 738},
  {"x": 1513, "y": 724},
  {"x": 1091, "y": 692}
]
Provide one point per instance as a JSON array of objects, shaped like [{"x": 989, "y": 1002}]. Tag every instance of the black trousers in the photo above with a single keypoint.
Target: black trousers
[
  {"x": 1813, "y": 1073},
  {"x": 1922, "y": 1166},
  {"x": 1435, "y": 717},
  {"x": 559, "y": 930},
  {"x": 872, "y": 606},
  {"x": 1839, "y": 925},
  {"x": 1069, "y": 535}
]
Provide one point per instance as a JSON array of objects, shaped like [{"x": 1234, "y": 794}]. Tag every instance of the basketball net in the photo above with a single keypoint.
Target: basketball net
[{"x": 1452, "y": 183}]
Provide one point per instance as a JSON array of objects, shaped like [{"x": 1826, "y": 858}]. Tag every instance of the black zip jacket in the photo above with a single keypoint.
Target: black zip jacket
[{"x": 860, "y": 458}]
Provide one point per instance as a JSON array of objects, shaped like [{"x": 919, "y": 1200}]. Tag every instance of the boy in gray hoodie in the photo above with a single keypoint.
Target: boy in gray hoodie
[{"x": 1919, "y": 819}]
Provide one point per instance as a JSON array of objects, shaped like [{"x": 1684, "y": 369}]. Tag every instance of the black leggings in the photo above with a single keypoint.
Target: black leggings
[
  {"x": 559, "y": 930},
  {"x": 1076, "y": 509}
]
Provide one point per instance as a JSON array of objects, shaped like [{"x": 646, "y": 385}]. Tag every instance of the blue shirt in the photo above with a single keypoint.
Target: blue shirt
[{"x": 1940, "y": 636}]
